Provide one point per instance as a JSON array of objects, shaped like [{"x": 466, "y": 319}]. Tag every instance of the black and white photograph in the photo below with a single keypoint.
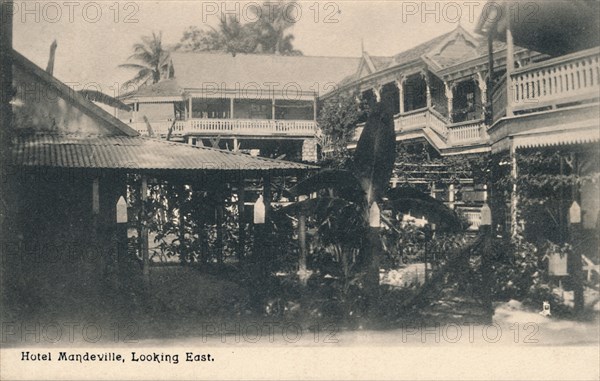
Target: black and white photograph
[{"x": 300, "y": 190}]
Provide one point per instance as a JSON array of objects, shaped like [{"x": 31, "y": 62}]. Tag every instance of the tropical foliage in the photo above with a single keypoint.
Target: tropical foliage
[
  {"x": 267, "y": 34},
  {"x": 150, "y": 60}
]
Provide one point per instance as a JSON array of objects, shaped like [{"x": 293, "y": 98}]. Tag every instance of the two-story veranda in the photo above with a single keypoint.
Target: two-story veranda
[
  {"x": 261, "y": 104},
  {"x": 438, "y": 93}
]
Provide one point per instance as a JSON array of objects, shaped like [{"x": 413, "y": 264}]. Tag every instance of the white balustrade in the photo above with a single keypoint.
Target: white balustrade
[
  {"x": 473, "y": 216},
  {"x": 232, "y": 127},
  {"x": 467, "y": 132},
  {"x": 562, "y": 80},
  {"x": 412, "y": 120}
]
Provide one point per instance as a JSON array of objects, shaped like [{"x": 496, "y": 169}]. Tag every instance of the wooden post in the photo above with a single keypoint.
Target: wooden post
[
  {"x": 190, "y": 114},
  {"x": 490, "y": 79},
  {"x": 302, "y": 268},
  {"x": 242, "y": 224},
  {"x": 428, "y": 90},
  {"x": 514, "y": 200},
  {"x": 181, "y": 231},
  {"x": 315, "y": 108},
  {"x": 450, "y": 99},
  {"x": 576, "y": 259},
  {"x": 451, "y": 196},
  {"x": 121, "y": 232},
  {"x": 219, "y": 222},
  {"x": 510, "y": 64},
  {"x": 267, "y": 251},
  {"x": 273, "y": 108},
  {"x": 485, "y": 229},
  {"x": 231, "y": 108},
  {"x": 144, "y": 230},
  {"x": 373, "y": 251},
  {"x": 267, "y": 195},
  {"x": 400, "y": 84}
]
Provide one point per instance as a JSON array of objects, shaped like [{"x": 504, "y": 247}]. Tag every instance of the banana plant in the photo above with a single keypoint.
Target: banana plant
[{"x": 346, "y": 197}]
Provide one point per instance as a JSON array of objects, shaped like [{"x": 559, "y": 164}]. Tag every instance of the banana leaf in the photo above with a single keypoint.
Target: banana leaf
[
  {"x": 407, "y": 199},
  {"x": 375, "y": 154}
]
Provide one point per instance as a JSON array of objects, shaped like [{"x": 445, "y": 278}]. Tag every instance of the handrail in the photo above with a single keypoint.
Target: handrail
[
  {"x": 558, "y": 60},
  {"x": 411, "y": 112}
]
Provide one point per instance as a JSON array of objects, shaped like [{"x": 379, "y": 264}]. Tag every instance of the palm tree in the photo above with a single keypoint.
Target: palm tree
[
  {"x": 274, "y": 20},
  {"x": 150, "y": 60}
]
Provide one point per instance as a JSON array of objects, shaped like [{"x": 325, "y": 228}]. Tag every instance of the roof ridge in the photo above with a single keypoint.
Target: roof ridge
[
  {"x": 216, "y": 53},
  {"x": 219, "y": 150},
  {"x": 86, "y": 105}
]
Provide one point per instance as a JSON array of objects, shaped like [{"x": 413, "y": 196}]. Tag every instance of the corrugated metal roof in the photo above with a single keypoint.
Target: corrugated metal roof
[{"x": 120, "y": 152}]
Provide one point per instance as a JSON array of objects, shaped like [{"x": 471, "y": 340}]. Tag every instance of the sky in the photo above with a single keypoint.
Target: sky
[{"x": 94, "y": 37}]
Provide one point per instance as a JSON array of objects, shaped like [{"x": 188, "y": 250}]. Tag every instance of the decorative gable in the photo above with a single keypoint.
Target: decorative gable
[{"x": 456, "y": 47}]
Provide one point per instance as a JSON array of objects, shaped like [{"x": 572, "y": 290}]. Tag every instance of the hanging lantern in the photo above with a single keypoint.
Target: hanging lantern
[
  {"x": 259, "y": 211},
  {"x": 486, "y": 215},
  {"x": 374, "y": 216},
  {"x": 575, "y": 213},
  {"x": 121, "y": 211}
]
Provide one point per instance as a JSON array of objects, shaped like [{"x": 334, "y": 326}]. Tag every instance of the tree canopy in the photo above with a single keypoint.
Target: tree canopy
[{"x": 268, "y": 34}]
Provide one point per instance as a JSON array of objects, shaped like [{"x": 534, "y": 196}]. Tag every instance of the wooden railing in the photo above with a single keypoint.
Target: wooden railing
[
  {"x": 411, "y": 120},
  {"x": 473, "y": 216},
  {"x": 467, "y": 132},
  {"x": 438, "y": 123},
  {"x": 246, "y": 127},
  {"x": 557, "y": 81}
]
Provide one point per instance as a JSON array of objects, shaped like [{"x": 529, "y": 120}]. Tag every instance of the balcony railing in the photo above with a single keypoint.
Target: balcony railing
[
  {"x": 468, "y": 132},
  {"x": 456, "y": 134},
  {"x": 233, "y": 127},
  {"x": 557, "y": 82},
  {"x": 472, "y": 214}
]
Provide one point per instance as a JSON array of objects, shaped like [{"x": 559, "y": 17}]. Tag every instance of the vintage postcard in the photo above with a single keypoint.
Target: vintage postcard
[{"x": 300, "y": 190}]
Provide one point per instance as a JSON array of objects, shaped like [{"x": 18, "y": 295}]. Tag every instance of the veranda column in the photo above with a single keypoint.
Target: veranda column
[
  {"x": 451, "y": 196},
  {"x": 231, "y": 108},
  {"x": 490, "y": 80},
  {"x": 400, "y": 84},
  {"x": 427, "y": 88},
  {"x": 510, "y": 64},
  {"x": 483, "y": 90},
  {"x": 514, "y": 200},
  {"x": 377, "y": 91},
  {"x": 449, "y": 87},
  {"x": 302, "y": 268}
]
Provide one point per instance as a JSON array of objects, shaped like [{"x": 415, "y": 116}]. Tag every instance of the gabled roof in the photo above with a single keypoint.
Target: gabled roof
[
  {"x": 307, "y": 74},
  {"x": 83, "y": 104},
  {"x": 135, "y": 153},
  {"x": 415, "y": 53},
  {"x": 115, "y": 147},
  {"x": 443, "y": 52}
]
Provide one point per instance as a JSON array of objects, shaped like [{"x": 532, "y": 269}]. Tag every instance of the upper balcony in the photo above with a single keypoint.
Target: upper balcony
[
  {"x": 232, "y": 128},
  {"x": 431, "y": 125},
  {"x": 557, "y": 83}
]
